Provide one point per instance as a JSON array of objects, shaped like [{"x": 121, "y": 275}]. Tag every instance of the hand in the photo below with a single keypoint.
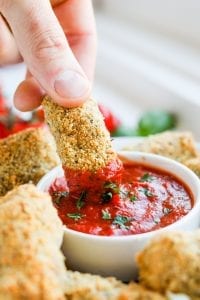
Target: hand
[{"x": 58, "y": 46}]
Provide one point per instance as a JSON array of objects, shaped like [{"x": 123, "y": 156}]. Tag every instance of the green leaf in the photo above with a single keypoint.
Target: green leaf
[
  {"x": 121, "y": 221},
  {"x": 146, "y": 192},
  {"x": 146, "y": 178},
  {"x": 123, "y": 130},
  {"x": 167, "y": 210},
  {"x": 81, "y": 201},
  {"x": 112, "y": 186},
  {"x": 106, "y": 215},
  {"x": 156, "y": 220},
  {"x": 157, "y": 121},
  {"x": 106, "y": 197},
  {"x": 75, "y": 216},
  {"x": 58, "y": 196},
  {"x": 133, "y": 198}
]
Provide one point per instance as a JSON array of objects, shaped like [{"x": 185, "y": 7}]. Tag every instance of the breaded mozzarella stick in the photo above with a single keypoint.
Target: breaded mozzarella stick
[
  {"x": 83, "y": 142},
  {"x": 82, "y": 139},
  {"x": 31, "y": 264},
  {"x": 25, "y": 157},
  {"x": 171, "y": 262}
]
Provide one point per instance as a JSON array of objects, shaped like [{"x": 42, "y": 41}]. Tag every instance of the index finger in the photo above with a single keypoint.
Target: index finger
[{"x": 77, "y": 20}]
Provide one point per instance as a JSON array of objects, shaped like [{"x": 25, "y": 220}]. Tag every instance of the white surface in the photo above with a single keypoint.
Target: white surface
[
  {"x": 113, "y": 256},
  {"x": 147, "y": 71},
  {"x": 177, "y": 19},
  {"x": 142, "y": 67}
]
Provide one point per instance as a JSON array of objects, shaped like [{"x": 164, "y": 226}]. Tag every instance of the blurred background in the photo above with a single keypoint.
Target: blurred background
[{"x": 148, "y": 59}]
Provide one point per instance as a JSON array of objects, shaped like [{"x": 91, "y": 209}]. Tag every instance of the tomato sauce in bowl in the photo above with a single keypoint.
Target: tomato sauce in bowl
[{"x": 140, "y": 199}]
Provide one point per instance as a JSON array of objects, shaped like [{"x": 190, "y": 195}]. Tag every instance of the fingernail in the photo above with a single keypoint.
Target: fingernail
[{"x": 71, "y": 84}]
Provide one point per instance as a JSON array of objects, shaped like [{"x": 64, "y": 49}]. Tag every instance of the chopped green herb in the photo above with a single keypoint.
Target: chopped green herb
[
  {"x": 146, "y": 178},
  {"x": 133, "y": 198},
  {"x": 156, "y": 220},
  {"x": 81, "y": 201},
  {"x": 167, "y": 210},
  {"x": 124, "y": 193},
  {"x": 59, "y": 195},
  {"x": 156, "y": 121},
  {"x": 106, "y": 215},
  {"x": 146, "y": 192},
  {"x": 106, "y": 197},
  {"x": 75, "y": 216},
  {"x": 112, "y": 186},
  {"x": 121, "y": 221}
]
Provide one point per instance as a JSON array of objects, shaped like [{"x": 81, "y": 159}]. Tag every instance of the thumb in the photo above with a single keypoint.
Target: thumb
[{"x": 45, "y": 50}]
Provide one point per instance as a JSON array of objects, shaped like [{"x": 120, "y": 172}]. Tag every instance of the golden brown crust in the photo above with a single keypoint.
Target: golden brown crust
[
  {"x": 31, "y": 264},
  {"x": 135, "y": 291},
  {"x": 171, "y": 262},
  {"x": 26, "y": 157},
  {"x": 176, "y": 145},
  {"x": 194, "y": 165},
  {"x": 91, "y": 287},
  {"x": 82, "y": 139}
]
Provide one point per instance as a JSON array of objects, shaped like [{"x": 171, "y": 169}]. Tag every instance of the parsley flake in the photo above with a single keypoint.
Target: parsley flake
[
  {"x": 81, "y": 200},
  {"x": 146, "y": 192},
  {"x": 58, "y": 196},
  {"x": 106, "y": 215},
  {"x": 133, "y": 198},
  {"x": 167, "y": 210},
  {"x": 106, "y": 197},
  {"x": 124, "y": 193},
  {"x": 156, "y": 220},
  {"x": 146, "y": 178},
  {"x": 112, "y": 186},
  {"x": 121, "y": 221},
  {"x": 75, "y": 216}
]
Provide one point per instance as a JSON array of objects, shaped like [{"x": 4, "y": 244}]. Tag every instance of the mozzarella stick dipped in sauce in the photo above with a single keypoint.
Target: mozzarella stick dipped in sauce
[
  {"x": 100, "y": 195},
  {"x": 83, "y": 144}
]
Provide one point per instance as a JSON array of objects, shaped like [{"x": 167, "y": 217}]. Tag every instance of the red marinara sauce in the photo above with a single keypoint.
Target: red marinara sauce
[{"x": 139, "y": 199}]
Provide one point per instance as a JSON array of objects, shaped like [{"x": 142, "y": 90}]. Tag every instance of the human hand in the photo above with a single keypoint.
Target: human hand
[{"x": 58, "y": 46}]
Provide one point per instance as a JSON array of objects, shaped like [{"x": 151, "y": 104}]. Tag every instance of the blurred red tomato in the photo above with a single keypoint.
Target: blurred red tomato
[
  {"x": 10, "y": 123},
  {"x": 111, "y": 121}
]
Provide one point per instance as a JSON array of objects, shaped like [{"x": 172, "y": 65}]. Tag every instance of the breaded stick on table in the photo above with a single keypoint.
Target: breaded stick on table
[
  {"x": 91, "y": 287},
  {"x": 194, "y": 165},
  {"x": 171, "y": 262},
  {"x": 25, "y": 157},
  {"x": 135, "y": 291},
  {"x": 31, "y": 264},
  {"x": 83, "y": 142},
  {"x": 176, "y": 145}
]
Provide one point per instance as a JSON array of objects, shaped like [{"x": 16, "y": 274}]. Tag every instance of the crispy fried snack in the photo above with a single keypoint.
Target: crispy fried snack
[
  {"x": 171, "y": 262},
  {"x": 82, "y": 139},
  {"x": 92, "y": 287},
  {"x": 194, "y": 165},
  {"x": 31, "y": 264},
  {"x": 176, "y": 145},
  {"x": 135, "y": 291},
  {"x": 25, "y": 157}
]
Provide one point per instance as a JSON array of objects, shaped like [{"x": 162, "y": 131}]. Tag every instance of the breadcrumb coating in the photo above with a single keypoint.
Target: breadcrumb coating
[
  {"x": 194, "y": 165},
  {"x": 83, "y": 142},
  {"x": 135, "y": 291},
  {"x": 176, "y": 145},
  {"x": 31, "y": 264},
  {"x": 92, "y": 287},
  {"x": 25, "y": 157},
  {"x": 171, "y": 262}
]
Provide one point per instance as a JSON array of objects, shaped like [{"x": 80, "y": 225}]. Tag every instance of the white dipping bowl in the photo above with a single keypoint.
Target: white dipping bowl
[{"x": 114, "y": 255}]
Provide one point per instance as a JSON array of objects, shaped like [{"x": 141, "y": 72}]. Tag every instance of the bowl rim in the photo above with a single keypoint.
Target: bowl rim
[{"x": 196, "y": 181}]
